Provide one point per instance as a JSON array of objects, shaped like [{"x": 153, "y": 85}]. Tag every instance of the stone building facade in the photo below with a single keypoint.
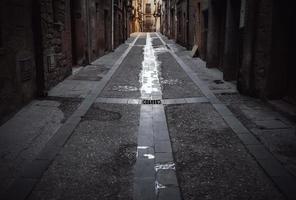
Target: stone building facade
[
  {"x": 44, "y": 39},
  {"x": 250, "y": 41},
  {"x": 146, "y": 15},
  {"x": 267, "y": 68},
  {"x": 122, "y": 20},
  {"x": 180, "y": 19}
]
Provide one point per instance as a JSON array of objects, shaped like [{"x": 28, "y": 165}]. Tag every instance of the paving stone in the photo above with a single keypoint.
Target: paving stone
[
  {"x": 158, "y": 110},
  {"x": 169, "y": 193},
  {"x": 197, "y": 100},
  {"x": 145, "y": 124},
  {"x": 158, "y": 118},
  {"x": 60, "y": 138},
  {"x": 167, "y": 177},
  {"x": 223, "y": 110},
  {"x": 49, "y": 152},
  {"x": 163, "y": 147},
  {"x": 287, "y": 185},
  {"x": 144, "y": 168},
  {"x": 146, "y": 117},
  {"x": 134, "y": 101},
  {"x": 144, "y": 189},
  {"x": 146, "y": 109},
  {"x": 271, "y": 124},
  {"x": 163, "y": 158},
  {"x": 145, "y": 140},
  {"x": 180, "y": 101},
  {"x": 169, "y": 101},
  {"x": 248, "y": 139},
  {"x": 35, "y": 169},
  {"x": 20, "y": 189},
  {"x": 259, "y": 152},
  {"x": 161, "y": 135},
  {"x": 146, "y": 131},
  {"x": 159, "y": 125},
  {"x": 235, "y": 124},
  {"x": 273, "y": 167},
  {"x": 101, "y": 100}
]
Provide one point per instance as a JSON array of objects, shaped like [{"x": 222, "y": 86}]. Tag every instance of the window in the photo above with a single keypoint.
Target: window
[{"x": 148, "y": 8}]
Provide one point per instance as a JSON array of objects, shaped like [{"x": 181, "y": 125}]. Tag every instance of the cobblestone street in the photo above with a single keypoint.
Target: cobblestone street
[{"x": 147, "y": 122}]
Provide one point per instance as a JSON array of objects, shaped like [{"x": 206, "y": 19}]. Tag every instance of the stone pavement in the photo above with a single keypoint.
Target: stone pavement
[{"x": 98, "y": 137}]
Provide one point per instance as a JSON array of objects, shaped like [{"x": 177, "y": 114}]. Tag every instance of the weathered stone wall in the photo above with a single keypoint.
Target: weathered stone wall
[
  {"x": 231, "y": 53},
  {"x": 216, "y": 33},
  {"x": 201, "y": 26},
  {"x": 118, "y": 23},
  {"x": 56, "y": 34},
  {"x": 192, "y": 23},
  {"x": 100, "y": 12},
  {"x": 263, "y": 42},
  {"x": 182, "y": 22},
  {"x": 257, "y": 47},
  {"x": 17, "y": 60},
  {"x": 246, "y": 73},
  {"x": 96, "y": 12},
  {"x": 79, "y": 32}
]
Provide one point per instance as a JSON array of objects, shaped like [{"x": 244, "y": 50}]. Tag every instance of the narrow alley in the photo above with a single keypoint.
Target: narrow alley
[
  {"x": 147, "y": 100},
  {"x": 100, "y": 135}
]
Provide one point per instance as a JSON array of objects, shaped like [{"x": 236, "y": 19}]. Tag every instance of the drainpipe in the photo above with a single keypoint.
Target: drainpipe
[
  {"x": 112, "y": 25},
  {"x": 88, "y": 30},
  {"x": 187, "y": 23}
]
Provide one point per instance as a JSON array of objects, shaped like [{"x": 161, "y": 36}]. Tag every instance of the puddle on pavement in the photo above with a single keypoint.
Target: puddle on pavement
[{"x": 149, "y": 76}]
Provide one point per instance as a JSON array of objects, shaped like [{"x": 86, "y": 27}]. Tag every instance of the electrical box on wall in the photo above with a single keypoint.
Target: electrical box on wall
[
  {"x": 51, "y": 63},
  {"x": 50, "y": 60},
  {"x": 24, "y": 63}
]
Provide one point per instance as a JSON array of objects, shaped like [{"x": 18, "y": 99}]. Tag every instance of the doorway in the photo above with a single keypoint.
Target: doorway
[{"x": 281, "y": 81}]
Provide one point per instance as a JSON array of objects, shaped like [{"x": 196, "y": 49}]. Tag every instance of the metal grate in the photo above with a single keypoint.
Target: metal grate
[
  {"x": 146, "y": 101},
  {"x": 218, "y": 82}
]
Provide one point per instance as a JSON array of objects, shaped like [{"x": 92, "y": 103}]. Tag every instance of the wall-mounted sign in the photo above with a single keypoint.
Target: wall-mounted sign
[{"x": 26, "y": 68}]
